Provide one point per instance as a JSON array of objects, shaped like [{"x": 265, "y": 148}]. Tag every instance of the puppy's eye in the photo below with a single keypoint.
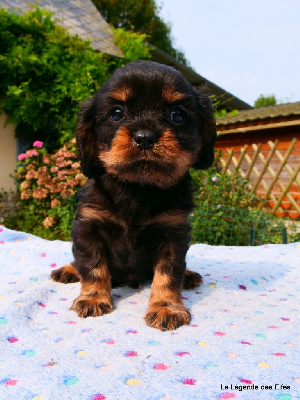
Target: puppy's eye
[
  {"x": 177, "y": 115},
  {"x": 116, "y": 114}
]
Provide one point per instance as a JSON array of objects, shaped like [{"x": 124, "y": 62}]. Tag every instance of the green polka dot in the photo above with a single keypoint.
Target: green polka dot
[
  {"x": 254, "y": 282},
  {"x": 71, "y": 381},
  {"x": 261, "y": 335},
  {"x": 285, "y": 397},
  {"x": 3, "y": 321},
  {"x": 29, "y": 353},
  {"x": 153, "y": 343}
]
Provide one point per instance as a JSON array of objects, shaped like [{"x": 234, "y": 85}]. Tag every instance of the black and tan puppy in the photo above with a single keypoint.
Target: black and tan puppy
[{"x": 137, "y": 138}]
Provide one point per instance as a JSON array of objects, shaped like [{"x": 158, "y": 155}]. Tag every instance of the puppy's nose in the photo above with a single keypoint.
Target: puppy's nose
[{"x": 144, "y": 140}]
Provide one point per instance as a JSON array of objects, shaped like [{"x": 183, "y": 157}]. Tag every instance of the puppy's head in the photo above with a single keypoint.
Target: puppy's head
[{"x": 146, "y": 125}]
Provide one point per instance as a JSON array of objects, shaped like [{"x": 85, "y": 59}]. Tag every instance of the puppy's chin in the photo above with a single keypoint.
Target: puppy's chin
[{"x": 147, "y": 172}]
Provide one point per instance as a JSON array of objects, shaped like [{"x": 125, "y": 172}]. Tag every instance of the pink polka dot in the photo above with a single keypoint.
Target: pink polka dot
[
  {"x": 53, "y": 265},
  {"x": 279, "y": 354},
  {"x": 160, "y": 367},
  {"x": 98, "y": 397},
  {"x": 250, "y": 344},
  {"x": 189, "y": 382},
  {"x": 71, "y": 322},
  {"x": 42, "y": 305},
  {"x": 131, "y": 354},
  {"x": 246, "y": 381},
  {"x": 43, "y": 255},
  {"x": 182, "y": 353},
  {"x": 227, "y": 396},
  {"x": 242, "y": 287},
  {"x": 285, "y": 319},
  {"x": 12, "y": 339},
  {"x": 11, "y": 382},
  {"x": 132, "y": 331},
  {"x": 109, "y": 341},
  {"x": 220, "y": 334}
]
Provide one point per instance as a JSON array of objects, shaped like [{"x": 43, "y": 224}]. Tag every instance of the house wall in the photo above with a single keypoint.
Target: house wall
[{"x": 8, "y": 154}]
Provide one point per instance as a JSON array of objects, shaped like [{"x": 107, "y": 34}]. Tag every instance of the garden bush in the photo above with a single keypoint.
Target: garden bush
[
  {"x": 48, "y": 183},
  {"x": 45, "y": 73},
  {"x": 226, "y": 214}
]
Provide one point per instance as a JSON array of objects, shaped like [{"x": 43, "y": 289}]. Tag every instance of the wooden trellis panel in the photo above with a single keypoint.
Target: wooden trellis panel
[{"x": 273, "y": 173}]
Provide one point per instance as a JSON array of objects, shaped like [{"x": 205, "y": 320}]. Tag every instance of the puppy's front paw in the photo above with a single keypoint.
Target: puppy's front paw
[
  {"x": 191, "y": 279},
  {"x": 86, "y": 306},
  {"x": 66, "y": 274},
  {"x": 167, "y": 317}
]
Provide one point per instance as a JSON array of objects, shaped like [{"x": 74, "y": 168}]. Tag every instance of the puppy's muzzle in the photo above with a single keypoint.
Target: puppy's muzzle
[{"x": 144, "y": 140}]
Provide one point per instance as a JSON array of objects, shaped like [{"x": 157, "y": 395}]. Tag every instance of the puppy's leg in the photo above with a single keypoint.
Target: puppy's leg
[
  {"x": 166, "y": 310},
  {"x": 95, "y": 296},
  {"x": 65, "y": 274},
  {"x": 90, "y": 260},
  {"x": 191, "y": 279}
]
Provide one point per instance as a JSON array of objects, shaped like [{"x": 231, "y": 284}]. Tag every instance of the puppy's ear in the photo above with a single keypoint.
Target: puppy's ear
[
  {"x": 208, "y": 134},
  {"x": 86, "y": 139}
]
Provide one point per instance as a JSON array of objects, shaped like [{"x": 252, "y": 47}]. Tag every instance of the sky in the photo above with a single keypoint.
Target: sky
[{"x": 247, "y": 47}]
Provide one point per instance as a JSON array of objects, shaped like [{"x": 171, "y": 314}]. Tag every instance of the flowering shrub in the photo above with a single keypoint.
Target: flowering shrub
[
  {"x": 47, "y": 187},
  {"x": 215, "y": 189},
  {"x": 225, "y": 211}
]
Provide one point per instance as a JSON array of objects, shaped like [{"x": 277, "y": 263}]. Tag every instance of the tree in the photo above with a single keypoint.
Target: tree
[
  {"x": 45, "y": 74},
  {"x": 265, "y": 101},
  {"x": 140, "y": 16}
]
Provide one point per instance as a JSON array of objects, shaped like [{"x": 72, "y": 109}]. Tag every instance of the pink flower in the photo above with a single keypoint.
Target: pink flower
[
  {"x": 22, "y": 156},
  {"x": 32, "y": 153},
  {"x": 38, "y": 144}
]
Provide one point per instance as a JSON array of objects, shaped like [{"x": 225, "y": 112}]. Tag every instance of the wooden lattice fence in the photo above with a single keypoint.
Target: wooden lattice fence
[{"x": 273, "y": 173}]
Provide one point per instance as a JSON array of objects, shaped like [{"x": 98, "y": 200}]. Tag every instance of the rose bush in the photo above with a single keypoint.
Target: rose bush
[{"x": 47, "y": 183}]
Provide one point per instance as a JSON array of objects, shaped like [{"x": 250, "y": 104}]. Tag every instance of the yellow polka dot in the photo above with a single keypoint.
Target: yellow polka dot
[
  {"x": 104, "y": 367},
  {"x": 45, "y": 330},
  {"x": 234, "y": 326},
  {"x": 132, "y": 382},
  {"x": 37, "y": 398},
  {"x": 19, "y": 303},
  {"x": 232, "y": 355},
  {"x": 81, "y": 353},
  {"x": 202, "y": 344},
  {"x": 297, "y": 380},
  {"x": 212, "y": 285},
  {"x": 11, "y": 251},
  {"x": 291, "y": 344},
  {"x": 1, "y": 297},
  {"x": 264, "y": 365}
]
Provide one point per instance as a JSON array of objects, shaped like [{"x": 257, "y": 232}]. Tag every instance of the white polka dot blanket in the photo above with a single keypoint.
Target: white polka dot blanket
[{"x": 242, "y": 343}]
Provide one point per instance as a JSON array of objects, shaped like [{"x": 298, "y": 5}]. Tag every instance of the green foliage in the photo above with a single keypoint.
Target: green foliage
[
  {"x": 48, "y": 184},
  {"x": 225, "y": 211},
  {"x": 45, "y": 74},
  {"x": 140, "y": 16},
  {"x": 221, "y": 113},
  {"x": 265, "y": 101},
  {"x": 216, "y": 189},
  {"x": 133, "y": 45}
]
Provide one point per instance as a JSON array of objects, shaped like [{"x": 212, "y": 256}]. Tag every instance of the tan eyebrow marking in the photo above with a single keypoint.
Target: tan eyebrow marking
[
  {"x": 122, "y": 93},
  {"x": 171, "y": 95}
]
